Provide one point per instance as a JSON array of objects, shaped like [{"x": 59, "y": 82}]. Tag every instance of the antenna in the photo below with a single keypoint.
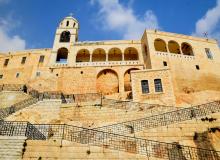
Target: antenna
[{"x": 205, "y": 34}]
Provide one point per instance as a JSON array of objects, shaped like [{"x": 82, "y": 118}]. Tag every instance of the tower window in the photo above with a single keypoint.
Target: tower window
[
  {"x": 67, "y": 23},
  {"x": 6, "y": 62},
  {"x": 208, "y": 53},
  {"x": 41, "y": 59},
  {"x": 65, "y": 36},
  {"x": 1, "y": 76},
  {"x": 145, "y": 86},
  {"x": 197, "y": 67},
  {"x": 23, "y": 60},
  {"x": 17, "y": 75},
  {"x": 164, "y": 63},
  {"x": 158, "y": 85}
]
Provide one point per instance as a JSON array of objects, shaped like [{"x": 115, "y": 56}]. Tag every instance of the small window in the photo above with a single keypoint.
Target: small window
[
  {"x": 1, "y": 76},
  {"x": 197, "y": 67},
  {"x": 6, "y": 62},
  {"x": 145, "y": 86},
  {"x": 41, "y": 59},
  {"x": 67, "y": 23},
  {"x": 208, "y": 53},
  {"x": 164, "y": 63},
  {"x": 17, "y": 75},
  {"x": 23, "y": 60},
  {"x": 38, "y": 74},
  {"x": 158, "y": 85}
]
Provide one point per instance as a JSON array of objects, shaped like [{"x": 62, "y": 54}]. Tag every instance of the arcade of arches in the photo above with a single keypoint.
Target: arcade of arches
[{"x": 173, "y": 47}]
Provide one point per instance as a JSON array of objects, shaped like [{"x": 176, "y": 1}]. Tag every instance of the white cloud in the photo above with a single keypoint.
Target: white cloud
[
  {"x": 210, "y": 23},
  {"x": 116, "y": 17},
  {"x": 8, "y": 42}
]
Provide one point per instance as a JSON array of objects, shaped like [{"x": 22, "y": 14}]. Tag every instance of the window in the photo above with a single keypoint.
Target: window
[
  {"x": 208, "y": 53},
  {"x": 23, "y": 60},
  {"x": 65, "y": 36},
  {"x": 1, "y": 76},
  {"x": 164, "y": 63},
  {"x": 41, "y": 59},
  {"x": 6, "y": 62},
  {"x": 145, "y": 86},
  {"x": 38, "y": 74},
  {"x": 67, "y": 23},
  {"x": 17, "y": 75},
  {"x": 197, "y": 67},
  {"x": 158, "y": 85}
]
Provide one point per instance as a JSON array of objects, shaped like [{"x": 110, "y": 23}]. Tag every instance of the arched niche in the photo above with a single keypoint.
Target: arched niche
[
  {"x": 115, "y": 54},
  {"x": 83, "y": 55},
  {"x": 130, "y": 54},
  {"x": 98, "y": 55}
]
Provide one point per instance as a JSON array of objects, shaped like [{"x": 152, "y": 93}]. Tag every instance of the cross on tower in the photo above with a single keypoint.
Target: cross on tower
[{"x": 205, "y": 34}]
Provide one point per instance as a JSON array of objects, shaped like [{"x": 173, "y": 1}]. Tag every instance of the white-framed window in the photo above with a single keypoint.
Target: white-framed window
[
  {"x": 208, "y": 53},
  {"x": 145, "y": 86}
]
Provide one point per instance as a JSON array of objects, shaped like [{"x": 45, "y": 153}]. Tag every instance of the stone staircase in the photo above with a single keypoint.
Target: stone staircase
[
  {"x": 46, "y": 111},
  {"x": 11, "y": 148}
]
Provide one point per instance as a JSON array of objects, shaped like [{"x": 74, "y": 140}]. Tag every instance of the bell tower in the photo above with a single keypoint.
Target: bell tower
[{"x": 66, "y": 35}]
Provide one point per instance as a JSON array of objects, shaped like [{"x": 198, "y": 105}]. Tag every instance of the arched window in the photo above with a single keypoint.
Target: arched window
[
  {"x": 83, "y": 56},
  {"x": 65, "y": 36},
  {"x": 158, "y": 85},
  {"x": 115, "y": 54},
  {"x": 186, "y": 49},
  {"x": 174, "y": 47},
  {"x": 130, "y": 54},
  {"x": 98, "y": 55},
  {"x": 160, "y": 45},
  {"x": 145, "y": 86},
  {"x": 67, "y": 23},
  {"x": 62, "y": 55}
]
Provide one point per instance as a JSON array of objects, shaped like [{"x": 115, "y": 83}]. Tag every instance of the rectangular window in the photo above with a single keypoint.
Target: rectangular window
[
  {"x": 6, "y": 62},
  {"x": 208, "y": 53},
  {"x": 158, "y": 85},
  {"x": 23, "y": 60},
  {"x": 41, "y": 59},
  {"x": 17, "y": 75},
  {"x": 1, "y": 76},
  {"x": 145, "y": 86},
  {"x": 164, "y": 63},
  {"x": 37, "y": 74}
]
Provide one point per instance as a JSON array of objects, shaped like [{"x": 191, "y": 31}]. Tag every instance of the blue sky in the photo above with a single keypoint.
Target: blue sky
[{"x": 28, "y": 24}]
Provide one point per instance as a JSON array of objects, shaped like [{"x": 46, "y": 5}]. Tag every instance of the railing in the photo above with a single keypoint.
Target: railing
[
  {"x": 107, "y": 140},
  {"x": 4, "y": 112},
  {"x": 77, "y": 98},
  {"x": 110, "y": 63},
  {"x": 164, "y": 119}
]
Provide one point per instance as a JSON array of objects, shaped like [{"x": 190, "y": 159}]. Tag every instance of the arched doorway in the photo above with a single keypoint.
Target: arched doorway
[
  {"x": 127, "y": 79},
  {"x": 107, "y": 82},
  {"x": 174, "y": 47},
  {"x": 83, "y": 56},
  {"x": 131, "y": 54},
  {"x": 115, "y": 54},
  {"x": 98, "y": 55},
  {"x": 62, "y": 55},
  {"x": 187, "y": 49},
  {"x": 160, "y": 45}
]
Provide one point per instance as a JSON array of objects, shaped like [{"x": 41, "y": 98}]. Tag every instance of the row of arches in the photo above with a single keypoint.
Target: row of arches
[
  {"x": 173, "y": 47},
  {"x": 99, "y": 54},
  {"x": 107, "y": 81}
]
